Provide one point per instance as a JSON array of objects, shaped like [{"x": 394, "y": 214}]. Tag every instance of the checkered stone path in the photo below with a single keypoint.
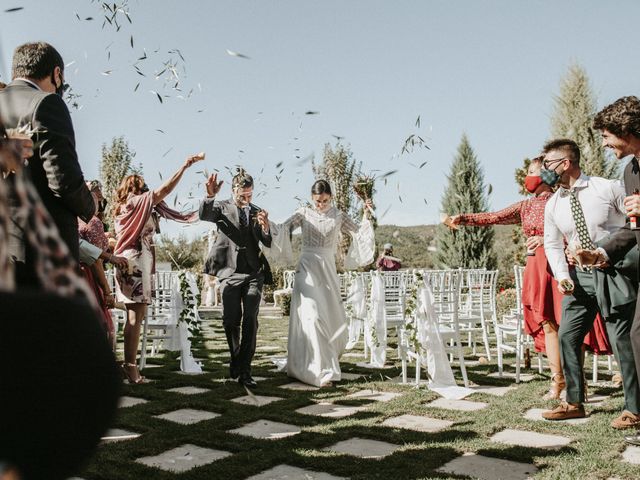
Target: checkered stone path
[
  {"x": 286, "y": 472},
  {"x": 463, "y": 405},
  {"x": 188, "y": 416},
  {"x": 374, "y": 395},
  {"x": 188, "y": 390},
  {"x": 525, "y": 438},
  {"x": 126, "y": 402},
  {"x": 488, "y": 468},
  {"x": 256, "y": 400},
  {"x": 631, "y": 455},
  {"x": 417, "y": 423},
  {"x": 299, "y": 386},
  {"x": 266, "y": 429},
  {"x": 325, "y": 409},
  {"x": 363, "y": 448},
  {"x": 183, "y": 458}
]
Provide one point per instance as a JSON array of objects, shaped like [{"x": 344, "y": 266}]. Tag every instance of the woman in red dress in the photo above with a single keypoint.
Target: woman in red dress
[{"x": 541, "y": 300}]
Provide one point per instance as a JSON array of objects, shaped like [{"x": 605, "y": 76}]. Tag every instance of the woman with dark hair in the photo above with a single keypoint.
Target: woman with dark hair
[
  {"x": 317, "y": 323},
  {"x": 136, "y": 220},
  {"x": 541, "y": 300}
]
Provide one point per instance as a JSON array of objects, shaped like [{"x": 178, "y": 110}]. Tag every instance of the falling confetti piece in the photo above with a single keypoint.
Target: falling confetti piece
[
  {"x": 418, "y": 121},
  {"x": 107, "y": 72},
  {"x": 15, "y": 9},
  {"x": 489, "y": 189},
  {"x": 236, "y": 54},
  {"x": 157, "y": 95},
  {"x": 311, "y": 112},
  {"x": 167, "y": 152}
]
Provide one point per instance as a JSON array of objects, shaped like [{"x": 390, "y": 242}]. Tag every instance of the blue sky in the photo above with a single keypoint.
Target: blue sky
[{"x": 485, "y": 68}]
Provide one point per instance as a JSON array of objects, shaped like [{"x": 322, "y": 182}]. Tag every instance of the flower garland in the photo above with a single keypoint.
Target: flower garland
[
  {"x": 410, "y": 310},
  {"x": 190, "y": 301}
]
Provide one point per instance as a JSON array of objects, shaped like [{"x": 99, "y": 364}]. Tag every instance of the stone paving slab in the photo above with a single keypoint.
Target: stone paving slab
[
  {"x": 266, "y": 429},
  {"x": 417, "y": 423},
  {"x": 188, "y": 390},
  {"x": 255, "y": 400},
  {"x": 330, "y": 410},
  {"x": 269, "y": 348},
  {"x": 496, "y": 391},
  {"x": 462, "y": 405},
  {"x": 183, "y": 458},
  {"x": 524, "y": 377},
  {"x": 374, "y": 395},
  {"x": 286, "y": 472},
  {"x": 488, "y": 468},
  {"x": 299, "y": 386},
  {"x": 631, "y": 454},
  {"x": 536, "y": 414},
  {"x": 524, "y": 438},
  {"x": 352, "y": 355},
  {"x": 350, "y": 376},
  {"x": 118, "y": 435},
  {"x": 126, "y": 402},
  {"x": 363, "y": 448},
  {"x": 187, "y": 416}
]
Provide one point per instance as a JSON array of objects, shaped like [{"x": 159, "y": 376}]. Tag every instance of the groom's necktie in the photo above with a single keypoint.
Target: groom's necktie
[
  {"x": 581, "y": 224},
  {"x": 244, "y": 220}
]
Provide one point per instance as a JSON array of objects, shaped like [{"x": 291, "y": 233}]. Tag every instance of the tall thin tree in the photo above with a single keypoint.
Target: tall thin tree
[
  {"x": 469, "y": 247},
  {"x": 574, "y": 109},
  {"x": 116, "y": 163}
]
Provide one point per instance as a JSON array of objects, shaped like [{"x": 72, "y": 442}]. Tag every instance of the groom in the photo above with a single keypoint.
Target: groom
[{"x": 238, "y": 262}]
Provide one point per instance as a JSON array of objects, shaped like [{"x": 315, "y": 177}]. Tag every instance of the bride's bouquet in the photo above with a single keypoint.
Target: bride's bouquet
[{"x": 364, "y": 186}]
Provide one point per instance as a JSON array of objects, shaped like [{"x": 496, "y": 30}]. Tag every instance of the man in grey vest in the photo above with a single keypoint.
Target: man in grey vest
[{"x": 238, "y": 262}]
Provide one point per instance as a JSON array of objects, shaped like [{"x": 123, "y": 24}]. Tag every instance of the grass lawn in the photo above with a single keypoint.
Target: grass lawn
[{"x": 594, "y": 451}]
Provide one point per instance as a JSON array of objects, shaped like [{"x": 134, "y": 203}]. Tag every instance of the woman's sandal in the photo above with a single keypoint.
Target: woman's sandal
[
  {"x": 138, "y": 379},
  {"x": 557, "y": 385}
]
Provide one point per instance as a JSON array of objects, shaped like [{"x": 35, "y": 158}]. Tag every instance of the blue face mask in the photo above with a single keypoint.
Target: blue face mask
[{"x": 550, "y": 177}]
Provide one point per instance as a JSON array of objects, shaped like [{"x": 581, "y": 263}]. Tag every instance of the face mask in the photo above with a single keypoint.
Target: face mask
[
  {"x": 59, "y": 89},
  {"x": 145, "y": 188},
  {"x": 550, "y": 177},
  {"x": 532, "y": 182}
]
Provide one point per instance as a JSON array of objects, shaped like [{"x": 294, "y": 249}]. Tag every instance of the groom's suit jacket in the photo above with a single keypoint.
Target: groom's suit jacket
[
  {"x": 53, "y": 169},
  {"x": 623, "y": 240},
  {"x": 222, "y": 260}
]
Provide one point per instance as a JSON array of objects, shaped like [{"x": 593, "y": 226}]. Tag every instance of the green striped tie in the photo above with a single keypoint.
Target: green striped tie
[{"x": 581, "y": 225}]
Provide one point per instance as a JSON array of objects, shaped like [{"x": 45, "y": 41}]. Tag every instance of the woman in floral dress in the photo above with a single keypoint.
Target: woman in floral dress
[{"x": 136, "y": 215}]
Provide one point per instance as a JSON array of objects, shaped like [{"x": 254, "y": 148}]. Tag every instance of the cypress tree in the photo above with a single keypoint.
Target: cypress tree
[
  {"x": 467, "y": 247},
  {"x": 574, "y": 109}
]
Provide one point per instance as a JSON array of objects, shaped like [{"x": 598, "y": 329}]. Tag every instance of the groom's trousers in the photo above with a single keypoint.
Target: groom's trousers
[{"x": 241, "y": 295}]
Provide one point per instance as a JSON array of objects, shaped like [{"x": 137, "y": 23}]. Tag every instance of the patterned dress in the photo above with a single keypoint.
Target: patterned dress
[{"x": 541, "y": 300}]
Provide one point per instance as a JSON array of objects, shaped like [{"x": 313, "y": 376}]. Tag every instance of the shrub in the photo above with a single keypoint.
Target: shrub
[{"x": 505, "y": 301}]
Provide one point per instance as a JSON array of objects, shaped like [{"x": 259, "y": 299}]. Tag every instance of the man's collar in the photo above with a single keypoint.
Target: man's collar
[
  {"x": 30, "y": 82},
  {"x": 581, "y": 182}
]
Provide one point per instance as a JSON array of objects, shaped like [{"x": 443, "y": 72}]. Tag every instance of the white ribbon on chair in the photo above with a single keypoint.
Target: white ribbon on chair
[
  {"x": 441, "y": 378},
  {"x": 376, "y": 338},
  {"x": 180, "y": 339}
]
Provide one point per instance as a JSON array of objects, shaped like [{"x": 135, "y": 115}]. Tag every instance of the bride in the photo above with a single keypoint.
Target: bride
[{"x": 317, "y": 324}]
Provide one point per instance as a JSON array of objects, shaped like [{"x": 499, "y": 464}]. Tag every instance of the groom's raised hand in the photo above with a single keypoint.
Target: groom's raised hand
[
  {"x": 213, "y": 186},
  {"x": 263, "y": 220}
]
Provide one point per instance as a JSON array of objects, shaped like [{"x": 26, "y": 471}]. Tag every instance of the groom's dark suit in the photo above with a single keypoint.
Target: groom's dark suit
[
  {"x": 53, "y": 169},
  {"x": 237, "y": 261}
]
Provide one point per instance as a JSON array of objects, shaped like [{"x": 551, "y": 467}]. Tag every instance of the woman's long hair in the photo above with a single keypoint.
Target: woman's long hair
[{"x": 130, "y": 184}]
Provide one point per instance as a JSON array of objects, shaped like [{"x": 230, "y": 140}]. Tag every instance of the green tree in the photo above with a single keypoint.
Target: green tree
[
  {"x": 116, "y": 163},
  {"x": 467, "y": 247},
  {"x": 339, "y": 168},
  {"x": 574, "y": 109},
  {"x": 182, "y": 253}
]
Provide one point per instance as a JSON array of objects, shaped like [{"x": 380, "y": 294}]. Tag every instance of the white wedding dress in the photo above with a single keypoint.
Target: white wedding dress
[{"x": 318, "y": 330}]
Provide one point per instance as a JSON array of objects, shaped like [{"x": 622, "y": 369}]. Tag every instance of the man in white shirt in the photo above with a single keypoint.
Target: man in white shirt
[{"x": 584, "y": 211}]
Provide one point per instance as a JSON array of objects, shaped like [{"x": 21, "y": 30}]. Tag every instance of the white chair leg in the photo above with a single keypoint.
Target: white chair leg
[
  {"x": 143, "y": 350},
  {"x": 463, "y": 368},
  {"x": 594, "y": 377},
  {"x": 418, "y": 368},
  {"x": 485, "y": 339},
  {"x": 539, "y": 362},
  {"x": 518, "y": 354},
  {"x": 499, "y": 340},
  {"x": 610, "y": 364}
]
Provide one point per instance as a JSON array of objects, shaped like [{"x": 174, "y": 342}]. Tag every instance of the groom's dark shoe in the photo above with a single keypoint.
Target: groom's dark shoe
[
  {"x": 633, "y": 439},
  {"x": 246, "y": 380},
  {"x": 233, "y": 371}
]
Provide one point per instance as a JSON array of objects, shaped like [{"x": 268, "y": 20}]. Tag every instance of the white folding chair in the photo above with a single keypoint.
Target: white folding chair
[
  {"x": 512, "y": 327},
  {"x": 288, "y": 277},
  {"x": 479, "y": 305},
  {"x": 445, "y": 287},
  {"x": 157, "y": 324}
]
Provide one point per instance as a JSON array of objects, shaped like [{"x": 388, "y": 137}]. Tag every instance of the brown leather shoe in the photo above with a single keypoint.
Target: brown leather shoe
[
  {"x": 557, "y": 385},
  {"x": 565, "y": 411},
  {"x": 626, "y": 420}
]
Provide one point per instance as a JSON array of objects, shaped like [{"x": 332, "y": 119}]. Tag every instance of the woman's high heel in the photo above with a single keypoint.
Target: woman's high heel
[
  {"x": 135, "y": 379},
  {"x": 557, "y": 385}
]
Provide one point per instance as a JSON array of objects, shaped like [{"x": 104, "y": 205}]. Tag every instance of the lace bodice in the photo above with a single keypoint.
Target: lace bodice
[{"x": 320, "y": 230}]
